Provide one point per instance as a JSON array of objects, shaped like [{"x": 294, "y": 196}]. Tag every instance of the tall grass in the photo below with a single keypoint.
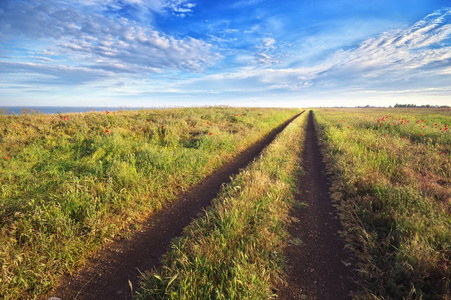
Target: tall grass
[
  {"x": 69, "y": 183},
  {"x": 392, "y": 180},
  {"x": 234, "y": 250}
]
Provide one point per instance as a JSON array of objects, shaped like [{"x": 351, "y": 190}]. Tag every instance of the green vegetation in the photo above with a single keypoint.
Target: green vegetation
[
  {"x": 422, "y": 106},
  {"x": 69, "y": 183},
  {"x": 392, "y": 180},
  {"x": 234, "y": 251}
]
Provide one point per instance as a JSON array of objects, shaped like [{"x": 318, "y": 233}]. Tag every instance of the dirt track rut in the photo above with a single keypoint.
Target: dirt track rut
[
  {"x": 318, "y": 266},
  {"x": 107, "y": 274}
]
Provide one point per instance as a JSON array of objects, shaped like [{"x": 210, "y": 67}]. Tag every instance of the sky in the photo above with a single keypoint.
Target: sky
[{"x": 302, "y": 53}]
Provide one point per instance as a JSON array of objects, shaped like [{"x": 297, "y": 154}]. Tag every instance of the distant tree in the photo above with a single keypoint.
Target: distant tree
[{"x": 422, "y": 106}]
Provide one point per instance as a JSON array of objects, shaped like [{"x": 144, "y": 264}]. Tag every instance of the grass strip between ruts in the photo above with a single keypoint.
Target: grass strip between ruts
[{"x": 234, "y": 250}]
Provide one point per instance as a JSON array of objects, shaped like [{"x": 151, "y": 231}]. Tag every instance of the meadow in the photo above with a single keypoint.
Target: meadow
[
  {"x": 391, "y": 172},
  {"x": 72, "y": 182}
]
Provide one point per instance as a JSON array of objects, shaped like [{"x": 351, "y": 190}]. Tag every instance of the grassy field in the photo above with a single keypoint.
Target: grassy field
[
  {"x": 69, "y": 183},
  {"x": 391, "y": 172},
  {"x": 234, "y": 251}
]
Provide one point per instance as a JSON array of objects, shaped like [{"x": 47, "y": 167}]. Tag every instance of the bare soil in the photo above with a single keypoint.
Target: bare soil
[
  {"x": 111, "y": 271},
  {"x": 318, "y": 265}
]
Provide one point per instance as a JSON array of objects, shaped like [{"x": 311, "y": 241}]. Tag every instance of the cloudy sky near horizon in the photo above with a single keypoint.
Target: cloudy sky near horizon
[{"x": 244, "y": 52}]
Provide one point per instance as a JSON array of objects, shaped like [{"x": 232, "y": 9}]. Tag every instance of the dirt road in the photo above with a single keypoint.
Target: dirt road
[{"x": 318, "y": 267}]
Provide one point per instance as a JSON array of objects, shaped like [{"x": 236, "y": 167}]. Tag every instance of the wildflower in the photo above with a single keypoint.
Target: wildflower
[
  {"x": 107, "y": 112},
  {"x": 106, "y": 130},
  {"x": 441, "y": 152},
  {"x": 162, "y": 126},
  {"x": 7, "y": 157},
  {"x": 211, "y": 133}
]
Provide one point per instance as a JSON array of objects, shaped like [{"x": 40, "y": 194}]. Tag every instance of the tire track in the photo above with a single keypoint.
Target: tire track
[
  {"x": 111, "y": 272},
  {"x": 318, "y": 267}
]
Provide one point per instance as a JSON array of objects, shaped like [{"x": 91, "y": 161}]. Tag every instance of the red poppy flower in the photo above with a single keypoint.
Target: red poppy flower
[
  {"x": 7, "y": 157},
  {"x": 208, "y": 122},
  {"x": 107, "y": 112},
  {"x": 211, "y": 133},
  {"x": 441, "y": 152},
  {"x": 421, "y": 134},
  {"x": 162, "y": 126},
  {"x": 106, "y": 130},
  {"x": 349, "y": 127},
  {"x": 148, "y": 121},
  {"x": 15, "y": 126},
  {"x": 402, "y": 137}
]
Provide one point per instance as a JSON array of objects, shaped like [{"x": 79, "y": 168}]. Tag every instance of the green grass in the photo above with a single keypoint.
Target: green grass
[
  {"x": 392, "y": 180},
  {"x": 69, "y": 183},
  {"x": 234, "y": 250}
]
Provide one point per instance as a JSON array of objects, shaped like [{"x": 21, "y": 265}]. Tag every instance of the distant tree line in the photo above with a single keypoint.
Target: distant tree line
[{"x": 421, "y": 106}]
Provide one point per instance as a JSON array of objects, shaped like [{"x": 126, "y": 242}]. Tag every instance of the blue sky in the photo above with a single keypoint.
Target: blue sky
[{"x": 244, "y": 52}]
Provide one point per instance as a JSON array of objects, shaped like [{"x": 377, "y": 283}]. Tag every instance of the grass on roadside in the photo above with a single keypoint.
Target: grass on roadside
[
  {"x": 234, "y": 249},
  {"x": 69, "y": 183},
  {"x": 392, "y": 180}
]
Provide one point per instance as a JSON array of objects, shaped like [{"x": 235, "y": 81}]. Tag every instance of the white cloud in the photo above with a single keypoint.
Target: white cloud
[
  {"x": 267, "y": 52},
  {"x": 180, "y": 7},
  {"x": 414, "y": 58},
  {"x": 97, "y": 42},
  {"x": 268, "y": 42},
  {"x": 175, "y": 7}
]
